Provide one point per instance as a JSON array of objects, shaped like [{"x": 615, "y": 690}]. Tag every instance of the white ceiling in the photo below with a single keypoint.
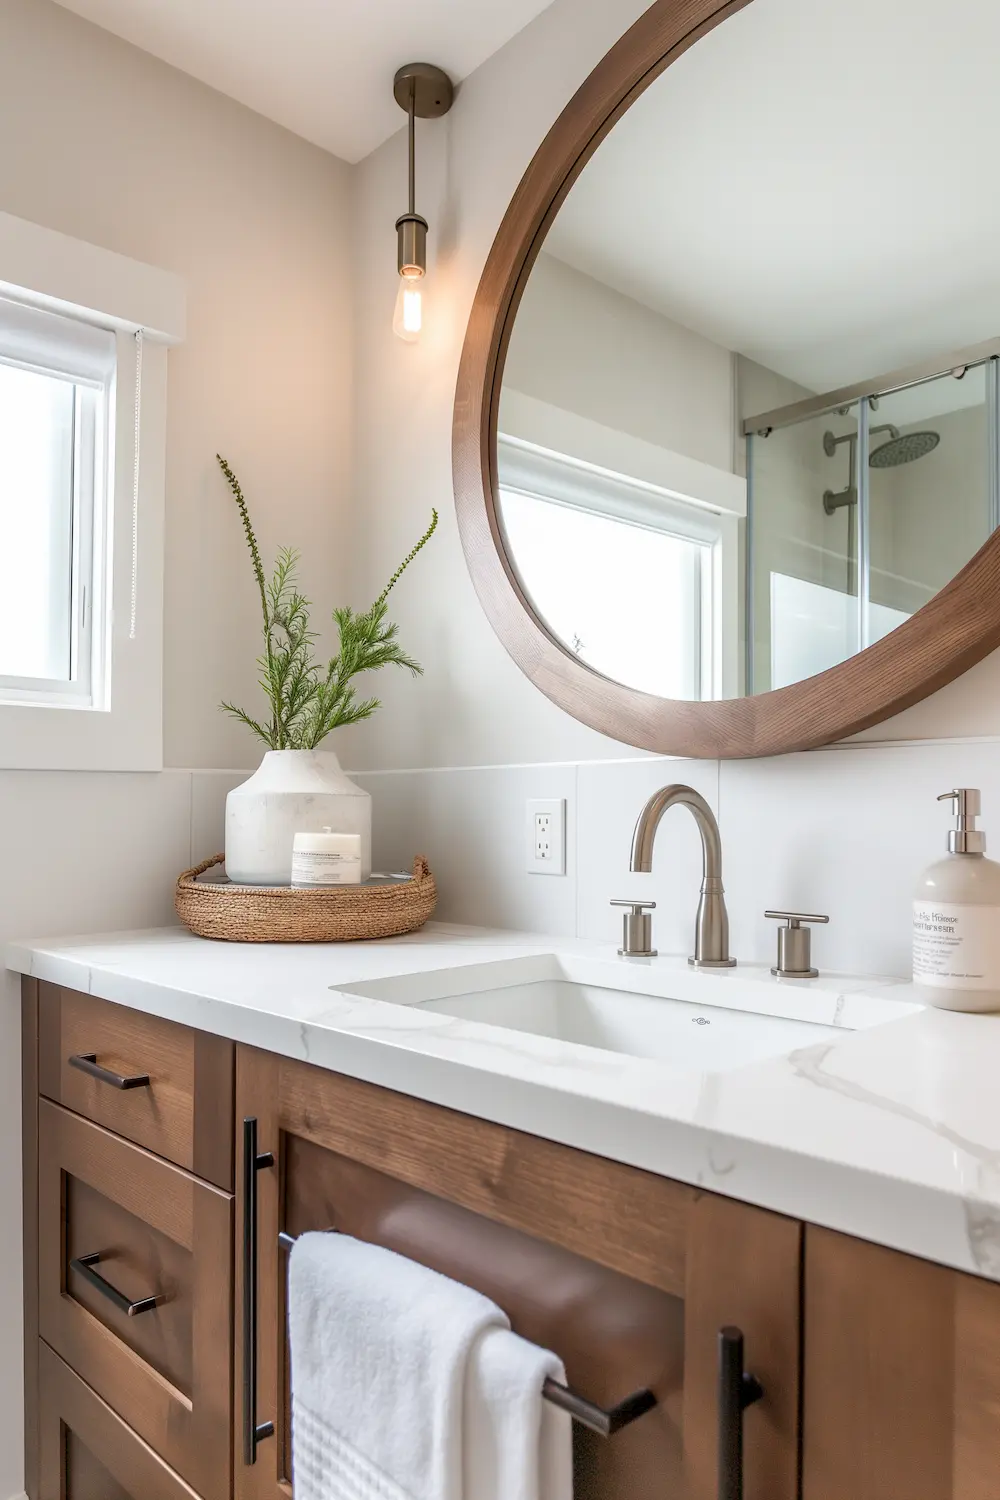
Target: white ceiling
[
  {"x": 813, "y": 184},
  {"x": 323, "y": 68}
]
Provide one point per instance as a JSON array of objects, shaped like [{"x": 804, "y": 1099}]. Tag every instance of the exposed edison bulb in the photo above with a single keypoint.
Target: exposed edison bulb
[{"x": 408, "y": 318}]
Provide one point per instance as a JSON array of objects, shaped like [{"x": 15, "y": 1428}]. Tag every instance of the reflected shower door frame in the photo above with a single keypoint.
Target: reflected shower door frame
[{"x": 862, "y": 482}]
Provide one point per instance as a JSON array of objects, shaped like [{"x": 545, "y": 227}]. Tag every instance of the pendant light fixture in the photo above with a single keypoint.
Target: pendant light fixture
[{"x": 424, "y": 91}]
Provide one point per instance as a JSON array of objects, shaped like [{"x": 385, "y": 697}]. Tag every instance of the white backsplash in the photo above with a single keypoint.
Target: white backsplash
[{"x": 844, "y": 831}]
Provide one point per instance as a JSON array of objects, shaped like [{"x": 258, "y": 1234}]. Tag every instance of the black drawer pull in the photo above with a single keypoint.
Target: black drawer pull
[
  {"x": 87, "y": 1063},
  {"x": 84, "y": 1266},
  {"x": 737, "y": 1390}
]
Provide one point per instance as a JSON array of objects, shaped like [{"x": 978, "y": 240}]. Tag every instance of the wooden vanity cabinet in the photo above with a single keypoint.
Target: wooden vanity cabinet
[
  {"x": 902, "y": 1376},
  {"x": 629, "y": 1277},
  {"x": 881, "y": 1371}
]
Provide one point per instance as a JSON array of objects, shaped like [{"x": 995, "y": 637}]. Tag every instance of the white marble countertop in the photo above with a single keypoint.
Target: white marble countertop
[{"x": 890, "y": 1133}]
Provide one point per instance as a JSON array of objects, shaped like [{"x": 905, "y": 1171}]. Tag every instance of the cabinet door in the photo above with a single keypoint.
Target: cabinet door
[
  {"x": 902, "y": 1376},
  {"x": 627, "y": 1276},
  {"x": 88, "y": 1452}
]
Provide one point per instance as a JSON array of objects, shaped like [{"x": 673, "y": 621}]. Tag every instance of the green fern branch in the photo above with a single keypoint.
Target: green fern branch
[{"x": 307, "y": 704}]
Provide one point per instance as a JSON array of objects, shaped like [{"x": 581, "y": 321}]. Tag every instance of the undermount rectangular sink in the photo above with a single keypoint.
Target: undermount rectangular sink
[{"x": 695, "y": 1020}]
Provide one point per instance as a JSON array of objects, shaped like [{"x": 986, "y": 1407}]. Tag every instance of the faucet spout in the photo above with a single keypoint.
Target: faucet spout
[{"x": 711, "y": 941}]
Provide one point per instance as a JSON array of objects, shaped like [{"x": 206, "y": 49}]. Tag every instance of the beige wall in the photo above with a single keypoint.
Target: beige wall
[
  {"x": 107, "y": 144},
  {"x": 584, "y": 347}
]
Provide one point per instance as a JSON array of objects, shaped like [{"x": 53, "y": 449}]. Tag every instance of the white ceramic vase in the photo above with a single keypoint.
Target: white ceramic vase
[{"x": 292, "y": 791}]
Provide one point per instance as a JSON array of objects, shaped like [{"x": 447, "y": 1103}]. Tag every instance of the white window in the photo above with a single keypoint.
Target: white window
[
  {"x": 83, "y": 349},
  {"x": 625, "y": 574},
  {"x": 56, "y": 385}
]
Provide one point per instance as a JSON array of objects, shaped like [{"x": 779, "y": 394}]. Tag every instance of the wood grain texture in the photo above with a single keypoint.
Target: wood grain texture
[
  {"x": 957, "y": 628},
  {"x": 214, "y": 1088},
  {"x": 139, "y": 1261},
  {"x": 744, "y": 1268},
  {"x": 627, "y": 1220},
  {"x": 902, "y": 1376},
  {"x": 190, "y": 1096},
  {"x": 29, "y": 1223},
  {"x": 161, "y": 1118},
  {"x": 541, "y": 1230},
  {"x": 88, "y": 1452},
  {"x": 113, "y": 1184}
]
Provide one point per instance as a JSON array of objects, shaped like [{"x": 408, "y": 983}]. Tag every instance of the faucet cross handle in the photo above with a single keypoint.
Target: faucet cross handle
[
  {"x": 637, "y": 929},
  {"x": 794, "y": 958}
]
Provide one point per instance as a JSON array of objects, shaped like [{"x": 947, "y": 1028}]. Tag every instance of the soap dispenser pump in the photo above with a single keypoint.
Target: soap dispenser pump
[{"x": 956, "y": 917}]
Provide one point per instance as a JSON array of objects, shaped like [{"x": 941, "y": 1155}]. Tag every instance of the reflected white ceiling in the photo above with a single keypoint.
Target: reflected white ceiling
[
  {"x": 323, "y": 68},
  {"x": 812, "y": 184}
]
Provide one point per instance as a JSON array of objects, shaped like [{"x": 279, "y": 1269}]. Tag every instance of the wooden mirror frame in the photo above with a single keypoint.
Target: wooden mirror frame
[{"x": 956, "y": 629}]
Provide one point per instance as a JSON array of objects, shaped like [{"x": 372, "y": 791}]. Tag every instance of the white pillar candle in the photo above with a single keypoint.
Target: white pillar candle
[{"x": 326, "y": 858}]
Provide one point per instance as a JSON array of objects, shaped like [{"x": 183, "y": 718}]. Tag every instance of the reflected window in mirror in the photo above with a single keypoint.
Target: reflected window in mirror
[{"x": 627, "y": 574}]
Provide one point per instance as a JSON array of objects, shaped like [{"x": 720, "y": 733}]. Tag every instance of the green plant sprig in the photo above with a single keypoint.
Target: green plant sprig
[{"x": 306, "y": 703}]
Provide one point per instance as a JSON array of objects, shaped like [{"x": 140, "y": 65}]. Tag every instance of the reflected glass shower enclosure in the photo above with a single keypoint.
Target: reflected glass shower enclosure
[{"x": 861, "y": 507}]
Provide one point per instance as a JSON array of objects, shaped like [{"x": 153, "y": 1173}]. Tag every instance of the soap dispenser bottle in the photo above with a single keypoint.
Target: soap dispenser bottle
[{"x": 956, "y": 918}]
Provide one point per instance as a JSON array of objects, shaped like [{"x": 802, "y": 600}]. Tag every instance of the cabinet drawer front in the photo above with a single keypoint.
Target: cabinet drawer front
[
  {"x": 162, "y": 1085},
  {"x": 124, "y": 1299},
  {"x": 87, "y": 1451}
]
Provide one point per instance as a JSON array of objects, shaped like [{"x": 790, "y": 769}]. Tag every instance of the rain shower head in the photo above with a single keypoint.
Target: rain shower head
[{"x": 903, "y": 450}]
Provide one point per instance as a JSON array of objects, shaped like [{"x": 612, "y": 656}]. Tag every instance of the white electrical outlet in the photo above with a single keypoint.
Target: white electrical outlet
[{"x": 546, "y": 828}]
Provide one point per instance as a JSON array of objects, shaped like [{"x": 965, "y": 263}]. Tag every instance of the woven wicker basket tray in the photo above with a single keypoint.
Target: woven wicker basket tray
[{"x": 279, "y": 914}]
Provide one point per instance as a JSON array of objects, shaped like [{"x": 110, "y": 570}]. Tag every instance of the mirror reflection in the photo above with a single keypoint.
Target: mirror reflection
[{"x": 749, "y": 415}]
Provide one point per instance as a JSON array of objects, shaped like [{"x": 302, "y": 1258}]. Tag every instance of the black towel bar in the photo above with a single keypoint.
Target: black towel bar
[{"x": 604, "y": 1421}]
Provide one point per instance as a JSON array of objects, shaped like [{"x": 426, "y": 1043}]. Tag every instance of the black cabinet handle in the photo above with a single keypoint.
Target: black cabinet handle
[
  {"x": 84, "y": 1266},
  {"x": 254, "y": 1432},
  {"x": 737, "y": 1390},
  {"x": 87, "y": 1063}
]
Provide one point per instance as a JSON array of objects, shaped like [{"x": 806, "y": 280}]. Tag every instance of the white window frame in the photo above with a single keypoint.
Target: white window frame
[
  {"x": 527, "y": 468},
  {"x": 117, "y": 723},
  {"x": 67, "y": 350}
]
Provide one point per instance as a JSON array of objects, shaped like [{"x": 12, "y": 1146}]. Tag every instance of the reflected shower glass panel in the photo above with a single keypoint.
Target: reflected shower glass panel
[
  {"x": 929, "y": 474},
  {"x": 804, "y": 548}
]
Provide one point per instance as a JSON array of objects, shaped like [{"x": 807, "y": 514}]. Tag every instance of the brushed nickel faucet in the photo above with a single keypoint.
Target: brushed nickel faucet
[{"x": 711, "y": 934}]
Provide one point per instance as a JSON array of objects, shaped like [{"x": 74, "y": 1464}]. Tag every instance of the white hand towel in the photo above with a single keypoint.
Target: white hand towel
[
  {"x": 379, "y": 1349},
  {"x": 517, "y": 1445}
]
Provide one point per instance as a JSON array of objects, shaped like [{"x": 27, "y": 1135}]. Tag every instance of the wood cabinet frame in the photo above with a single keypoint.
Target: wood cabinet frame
[
  {"x": 956, "y": 629},
  {"x": 730, "y": 1263}
]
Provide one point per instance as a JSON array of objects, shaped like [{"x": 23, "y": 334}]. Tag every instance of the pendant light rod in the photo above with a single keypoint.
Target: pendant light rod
[{"x": 412, "y": 113}]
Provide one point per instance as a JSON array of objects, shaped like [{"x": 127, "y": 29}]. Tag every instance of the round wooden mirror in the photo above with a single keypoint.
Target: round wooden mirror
[{"x": 727, "y": 427}]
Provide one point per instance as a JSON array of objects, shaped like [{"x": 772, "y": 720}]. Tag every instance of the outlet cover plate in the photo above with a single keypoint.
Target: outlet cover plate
[{"x": 545, "y": 827}]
